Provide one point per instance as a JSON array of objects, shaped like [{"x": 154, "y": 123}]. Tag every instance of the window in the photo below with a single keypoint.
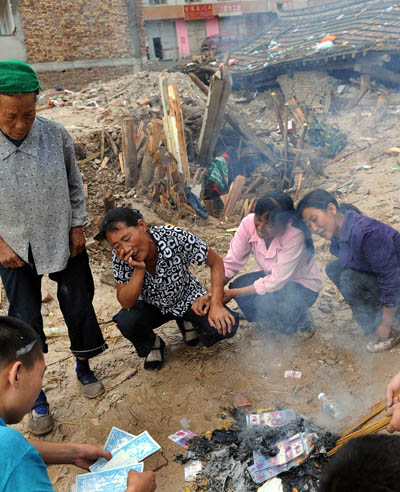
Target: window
[
  {"x": 7, "y": 25},
  {"x": 157, "y": 2}
]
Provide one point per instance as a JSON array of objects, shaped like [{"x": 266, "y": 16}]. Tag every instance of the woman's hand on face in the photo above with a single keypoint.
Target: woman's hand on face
[
  {"x": 127, "y": 256},
  {"x": 221, "y": 319}
]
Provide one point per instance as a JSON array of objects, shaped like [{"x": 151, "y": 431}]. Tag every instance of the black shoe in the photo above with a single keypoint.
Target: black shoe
[
  {"x": 189, "y": 332},
  {"x": 156, "y": 356}
]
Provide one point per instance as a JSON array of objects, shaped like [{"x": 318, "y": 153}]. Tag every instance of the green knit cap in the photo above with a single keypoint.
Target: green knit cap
[{"x": 17, "y": 76}]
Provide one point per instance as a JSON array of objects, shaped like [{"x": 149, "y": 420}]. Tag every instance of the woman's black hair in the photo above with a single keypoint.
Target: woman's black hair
[
  {"x": 129, "y": 216},
  {"x": 280, "y": 210},
  {"x": 320, "y": 199}
]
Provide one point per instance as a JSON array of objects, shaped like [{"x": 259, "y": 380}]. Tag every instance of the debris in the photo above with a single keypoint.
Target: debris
[
  {"x": 329, "y": 406},
  {"x": 191, "y": 470},
  {"x": 272, "y": 485},
  {"x": 293, "y": 374},
  {"x": 240, "y": 401},
  {"x": 56, "y": 331}
]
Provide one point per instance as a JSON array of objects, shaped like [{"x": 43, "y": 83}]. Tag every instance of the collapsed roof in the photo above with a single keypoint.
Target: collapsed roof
[{"x": 361, "y": 35}]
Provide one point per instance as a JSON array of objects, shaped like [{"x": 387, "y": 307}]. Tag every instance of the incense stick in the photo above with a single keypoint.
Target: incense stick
[{"x": 367, "y": 429}]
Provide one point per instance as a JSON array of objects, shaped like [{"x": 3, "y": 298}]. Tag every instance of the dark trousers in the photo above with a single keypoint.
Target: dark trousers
[
  {"x": 137, "y": 325},
  {"x": 284, "y": 309},
  {"x": 75, "y": 290},
  {"x": 361, "y": 292}
]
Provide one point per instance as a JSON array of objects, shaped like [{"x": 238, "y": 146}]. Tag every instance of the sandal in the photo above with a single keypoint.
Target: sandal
[
  {"x": 155, "y": 358},
  {"x": 189, "y": 332},
  {"x": 381, "y": 345}
]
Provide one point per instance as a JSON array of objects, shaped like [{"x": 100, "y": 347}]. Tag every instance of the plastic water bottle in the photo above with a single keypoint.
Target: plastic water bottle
[
  {"x": 330, "y": 406},
  {"x": 56, "y": 331}
]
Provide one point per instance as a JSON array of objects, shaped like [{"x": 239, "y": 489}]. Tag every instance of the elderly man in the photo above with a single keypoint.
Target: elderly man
[{"x": 42, "y": 214}]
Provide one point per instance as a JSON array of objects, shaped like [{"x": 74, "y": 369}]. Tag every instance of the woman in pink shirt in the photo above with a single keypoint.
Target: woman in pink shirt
[{"x": 288, "y": 282}]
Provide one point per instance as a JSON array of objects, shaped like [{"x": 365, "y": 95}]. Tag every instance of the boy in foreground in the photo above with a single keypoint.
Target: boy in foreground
[{"x": 22, "y": 461}]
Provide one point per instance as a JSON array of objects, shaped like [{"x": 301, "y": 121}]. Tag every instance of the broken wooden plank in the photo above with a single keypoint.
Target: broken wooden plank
[
  {"x": 240, "y": 127},
  {"x": 108, "y": 201},
  {"x": 233, "y": 196},
  {"x": 121, "y": 163},
  {"x": 113, "y": 145},
  {"x": 218, "y": 94},
  {"x": 129, "y": 152},
  {"x": 392, "y": 151},
  {"x": 364, "y": 88},
  {"x": 102, "y": 140},
  {"x": 179, "y": 132},
  {"x": 297, "y": 111}
]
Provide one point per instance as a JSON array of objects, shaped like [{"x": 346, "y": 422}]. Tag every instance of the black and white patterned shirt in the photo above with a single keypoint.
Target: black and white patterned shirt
[{"x": 172, "y": 289}]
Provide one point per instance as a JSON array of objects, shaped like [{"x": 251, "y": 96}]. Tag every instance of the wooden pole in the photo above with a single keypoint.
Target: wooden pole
[{"x": 129, "y": 152}]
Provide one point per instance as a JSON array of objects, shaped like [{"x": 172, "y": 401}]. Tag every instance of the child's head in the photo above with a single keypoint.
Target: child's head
[
  {"x": 364, "y": 464},
  {"x": 21, "y": 368}
]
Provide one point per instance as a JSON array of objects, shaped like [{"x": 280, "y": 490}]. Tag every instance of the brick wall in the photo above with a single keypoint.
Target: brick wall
[
  {"x": 75, "y": 80},
  {"x": 57, "y": 31}
]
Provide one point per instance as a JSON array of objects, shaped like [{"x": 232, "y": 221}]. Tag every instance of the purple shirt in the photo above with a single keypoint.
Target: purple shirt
[{"x": 369, "y": 245}]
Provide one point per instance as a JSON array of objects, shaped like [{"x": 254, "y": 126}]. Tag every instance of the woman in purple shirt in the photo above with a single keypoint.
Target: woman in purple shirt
[{"x": 367, "y": 271}]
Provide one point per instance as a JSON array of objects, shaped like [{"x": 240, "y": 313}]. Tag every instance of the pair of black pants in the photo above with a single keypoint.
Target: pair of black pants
[
  {"x": 137, "y": 325},
  {"x": 361, "y": 292},
  {"x": 75, "y": 290},
  {"x": 284, "y": 309}
]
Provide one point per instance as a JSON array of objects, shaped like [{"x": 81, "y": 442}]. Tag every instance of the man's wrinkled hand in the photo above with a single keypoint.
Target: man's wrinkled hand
[
  {"x": 77, "y": 241},
  {"x": 221, "y": 319},
  {"x": 8, "y": 257}
]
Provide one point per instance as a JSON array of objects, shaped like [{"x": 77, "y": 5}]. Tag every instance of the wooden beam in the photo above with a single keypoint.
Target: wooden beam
[
  {"x": 240, "y": 127},
  {"x": 233, "y": 196},
  {"x": 129, "y": 152},
  {"x": 218, "y": 94},
  {"x": 179, "y": 134}
]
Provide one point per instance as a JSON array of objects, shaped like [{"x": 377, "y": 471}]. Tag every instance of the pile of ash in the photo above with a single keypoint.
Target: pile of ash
[{"x": 242, "y": 457}]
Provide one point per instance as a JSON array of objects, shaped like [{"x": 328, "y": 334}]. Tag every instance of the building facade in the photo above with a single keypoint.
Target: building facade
[
  {"x": 177, "y": 28},
  {"x": 73, "y": 39}
]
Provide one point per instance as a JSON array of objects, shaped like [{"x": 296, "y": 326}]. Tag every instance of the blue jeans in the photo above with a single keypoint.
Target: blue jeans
[{"x": 284, "y": 309}]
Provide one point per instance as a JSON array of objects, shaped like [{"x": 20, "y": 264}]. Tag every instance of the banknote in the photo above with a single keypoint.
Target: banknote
[
  {"x": 141, "y": 447},
  {"x": 106, "y": 481},
  {"x": 182, "y": 437},
  {"x": 272, "y": 419}
]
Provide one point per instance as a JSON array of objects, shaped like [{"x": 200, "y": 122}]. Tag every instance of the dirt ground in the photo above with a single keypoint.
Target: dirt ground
[{"x": 198, "y": 384}]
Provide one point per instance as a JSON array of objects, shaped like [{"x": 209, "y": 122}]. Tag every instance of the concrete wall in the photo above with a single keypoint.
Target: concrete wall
[
  {"x": 13, "y": 45},
  {"x": 166, "y": 31}
]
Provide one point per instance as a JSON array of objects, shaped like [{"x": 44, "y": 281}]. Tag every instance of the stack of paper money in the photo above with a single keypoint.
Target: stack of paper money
[
  {"x": 291, "y": 452},
  {"x": 127, "y": 452}
]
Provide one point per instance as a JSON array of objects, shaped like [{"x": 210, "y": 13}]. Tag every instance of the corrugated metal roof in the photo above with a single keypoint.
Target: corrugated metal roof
[{"x": 359, "y": 26}]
